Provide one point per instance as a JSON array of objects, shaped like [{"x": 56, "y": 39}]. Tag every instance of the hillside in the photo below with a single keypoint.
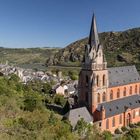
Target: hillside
[
  {"x": 121, "y": 48},
  {"x": 26, "y": 56}
]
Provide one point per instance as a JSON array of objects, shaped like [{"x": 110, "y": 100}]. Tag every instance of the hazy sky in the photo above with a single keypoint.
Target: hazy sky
[{"x": 56, "y": 23}]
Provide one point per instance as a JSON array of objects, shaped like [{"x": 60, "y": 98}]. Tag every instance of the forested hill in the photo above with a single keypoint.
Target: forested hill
[{"x": 121, "y": 48}]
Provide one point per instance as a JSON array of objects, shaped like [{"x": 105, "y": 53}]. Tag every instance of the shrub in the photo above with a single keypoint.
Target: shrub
[
  {"x": 138, "y": 124},
  {"x": 132, "y": 126},
  {"x": 59, "y": 100},
  {"x": 124, "y": 129},
  {"x": 117, "y": 131},
  {"x": 134, "y": 134},
  {"x": 107, "y": 135}
]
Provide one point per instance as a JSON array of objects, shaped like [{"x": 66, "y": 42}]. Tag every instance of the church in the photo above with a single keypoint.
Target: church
[{"x": 112, "y": 95}]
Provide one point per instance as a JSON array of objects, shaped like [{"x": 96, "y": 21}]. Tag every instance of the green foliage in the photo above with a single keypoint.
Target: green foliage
[
  {"x": 117, "y": 131},
  {"x": 124, "y": 129},
  {"x": 138, "y": 124},
  {"x": 134, "y": 134},
  {"x": 81, "y": 127},
  {"x": 73, "y": 75},
  {"x": 14, "y": 78},
  {"x": 59, "y": 100},
  {"x": 107, "y": 135},
  {"x": 24, "y": 115},
  {"x": 52, "y": 119},
  {"x": 32, "y": 101},
  {"x": 46, "y": 88}
]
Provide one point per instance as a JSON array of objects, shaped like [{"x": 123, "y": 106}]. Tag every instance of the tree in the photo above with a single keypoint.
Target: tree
[
  {"x": 134, "y": 134},
  {"x": 59, "y": 100},
  {"x": 81, "y": 127},
  {"x": 52, "y": 119},
  {"x": 107, "y": 135}
]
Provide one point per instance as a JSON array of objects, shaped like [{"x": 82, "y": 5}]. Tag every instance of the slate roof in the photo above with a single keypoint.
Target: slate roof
[
  {"x": 123, "y": 75},
  {"x": 76, "y": 114},
  {"x": 120, "y": 105}
]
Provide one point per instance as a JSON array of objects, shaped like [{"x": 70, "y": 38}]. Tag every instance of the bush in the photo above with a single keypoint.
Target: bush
[
  {"x": 107, "y": 135},
  {"x": 81, "y": 127},
  {"x": 59, "y": 100},
  {"x": 73, "y": 75},
  {"x": 138, "y": 124},
  {"x": 124, "y": 129},
  {"x": 132, "y": 126},
  {"x": 117, "y": 131},
  {"x": 134, "y": 134}
]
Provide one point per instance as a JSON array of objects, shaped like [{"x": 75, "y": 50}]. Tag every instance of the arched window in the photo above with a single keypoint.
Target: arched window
[
  {"x": 139, "y": 89},
  {"x": 97, "y": 79},
  {"x": 113, "y": 122},
  {"x": 120, "y": 119},
  {"x": 87, "y": 80},
  {"x": 104, "y": 97},
  {"x": 107, "y": 124},
  {"x": 98, "y": 98},
  {"x": 118, "y": 93},
  {"x": 103, "y": 80},
  {"x": 87, "y": 97},
  {"x": 134, "y": 114},
  {"x": 130, "y": 92},
  {"x": 124, "y": 91},
  {"x": 111, "y": 95},
  {"x": 136, "y": 89},
  {"x": 92, "y": 82}
]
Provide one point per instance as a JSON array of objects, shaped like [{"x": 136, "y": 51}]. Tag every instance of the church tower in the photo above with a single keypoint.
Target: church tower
[{"x": 93, "y": 77}]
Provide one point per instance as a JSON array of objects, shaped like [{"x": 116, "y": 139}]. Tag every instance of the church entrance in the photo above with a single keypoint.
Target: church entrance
[{"x": 128, "y": 119}]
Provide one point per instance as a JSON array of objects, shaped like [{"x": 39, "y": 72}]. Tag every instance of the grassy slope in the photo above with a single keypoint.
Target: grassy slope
[{"x": 26, "y": 56}]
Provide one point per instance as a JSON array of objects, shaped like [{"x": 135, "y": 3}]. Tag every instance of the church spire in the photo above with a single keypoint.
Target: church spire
[{"x": 93, "y": 37}]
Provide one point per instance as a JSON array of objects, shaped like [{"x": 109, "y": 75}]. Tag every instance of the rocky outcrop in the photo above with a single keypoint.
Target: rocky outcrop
[{"x": 118, "y": 46}]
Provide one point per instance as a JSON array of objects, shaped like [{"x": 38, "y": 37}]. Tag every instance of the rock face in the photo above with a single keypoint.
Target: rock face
[{"x": 121, "y": 48}]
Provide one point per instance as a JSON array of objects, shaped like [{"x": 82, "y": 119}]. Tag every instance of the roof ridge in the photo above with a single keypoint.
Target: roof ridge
[{"x": 123, "y": 66}]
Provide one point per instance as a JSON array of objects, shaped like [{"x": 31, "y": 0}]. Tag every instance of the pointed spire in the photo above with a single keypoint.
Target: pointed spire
[{"x": 93, "y": 37}]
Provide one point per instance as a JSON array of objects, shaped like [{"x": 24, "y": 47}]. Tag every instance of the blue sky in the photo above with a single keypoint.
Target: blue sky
[{"x": 56, "y": 23}]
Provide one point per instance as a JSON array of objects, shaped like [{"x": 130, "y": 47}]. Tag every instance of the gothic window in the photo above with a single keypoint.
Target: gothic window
[
  {"x": 124, "y": 91},
  {"x": 87, "y": 80},
  {"x": 92, "y": 82},
  {"x": 97, "y": 78},
  {"x": 111, "y": 95},
  {"x": 103, "y": 80},
  {"x": 113, "y": 122},
  {"x": 134, "y": 114},
  {"x": 136, "y": 89},
  {"x": 118, "y": 93},
  {"x": 99, "y": 54},
  {"x": 130, "y": 92},
  {"x": 107, "y": 124},
  {"x": 120, "y": 119},
  {"x": 104, "y": 97},
  {"x": 87, "y": 97},
  {"x": 98, "y": 98},
  {"x": 139, "y": 89}
]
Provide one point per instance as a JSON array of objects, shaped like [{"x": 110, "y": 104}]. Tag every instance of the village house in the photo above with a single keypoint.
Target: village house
[{"x": 112, "y": 95}]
